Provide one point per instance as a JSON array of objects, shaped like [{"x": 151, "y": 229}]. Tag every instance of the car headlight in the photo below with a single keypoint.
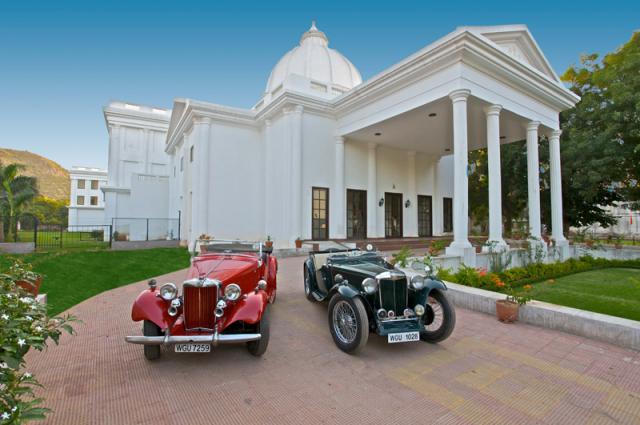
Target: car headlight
[
  {"x": 168, "y": 291},
  {"x": 232, "y": 292},
  {"x": 417, "y": 282},
  {"x": 370, "y": 285},
  {"x": 419, "y": 309}
]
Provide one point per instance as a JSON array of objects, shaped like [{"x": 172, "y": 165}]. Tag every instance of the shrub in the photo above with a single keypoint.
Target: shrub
[
  {"x": 24, "y": 324},
  {"x": 401, "y": 258}
]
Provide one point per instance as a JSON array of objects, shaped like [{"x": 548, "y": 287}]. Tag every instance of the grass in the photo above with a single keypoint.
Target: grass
[
  {"x": 613, "y": 291},
  {"x": 71, "y": 277}
]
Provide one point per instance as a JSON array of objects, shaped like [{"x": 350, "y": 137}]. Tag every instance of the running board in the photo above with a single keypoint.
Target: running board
[{"x": 318, "y": 296}]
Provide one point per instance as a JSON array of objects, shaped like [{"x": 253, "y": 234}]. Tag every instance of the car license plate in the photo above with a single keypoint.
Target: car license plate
[
  {"x": 192, "y": 348},
  {"x": 403, "y": 337}
]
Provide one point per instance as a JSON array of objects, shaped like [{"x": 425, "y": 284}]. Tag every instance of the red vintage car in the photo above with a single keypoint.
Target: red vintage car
[{"x": 224, "y": 301}]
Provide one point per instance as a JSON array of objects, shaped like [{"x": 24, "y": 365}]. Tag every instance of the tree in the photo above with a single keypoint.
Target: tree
[
  {"x": 49, "y": 210},
  {"x": 601, "y": 135},
  {"x": 17, "y": 191}
]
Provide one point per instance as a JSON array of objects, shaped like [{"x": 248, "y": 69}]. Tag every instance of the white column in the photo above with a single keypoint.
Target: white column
[
  {"x": 268, "y": 181},
  {"x": 296, "y": 173},
  {"x": 410, "y": 213},
  {"x": 533, "y": 180},
  {"x": 372, "y": 193},
  {"x": 339, "y": 193},
  {"x": 460, "y": 245},
  {"x": 201, "y": 174},
  {"x": 495, "y": 182},
  {"x": 114, "y": 149},
  {"x": 556, "y": 189},
  {"x": 436, "y": 200}
]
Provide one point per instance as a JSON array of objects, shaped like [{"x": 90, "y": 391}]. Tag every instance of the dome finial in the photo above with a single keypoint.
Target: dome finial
[
  {"x": 313, "y": 26},
  {"x": 314, "y": 33}
]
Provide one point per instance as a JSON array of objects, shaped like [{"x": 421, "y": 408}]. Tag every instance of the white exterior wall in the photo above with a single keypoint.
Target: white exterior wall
[{"x": 86, "y": 214}]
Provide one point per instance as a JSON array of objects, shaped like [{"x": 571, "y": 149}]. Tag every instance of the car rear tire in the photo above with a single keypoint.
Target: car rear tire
[
  {"x": 258, "y": 348},
  {"x": 348, "y": 323},
  {"x": 151, "y": 352},
  {"x": 307, "y": 284},
  {"x": 441, "y": 314}
]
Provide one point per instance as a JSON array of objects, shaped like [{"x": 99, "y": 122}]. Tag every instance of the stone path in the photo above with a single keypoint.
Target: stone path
[{"x": 486, "y": 373}]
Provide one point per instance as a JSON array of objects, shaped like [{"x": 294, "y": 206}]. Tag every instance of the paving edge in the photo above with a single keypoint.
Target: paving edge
[{"x": 614, "y": 330}]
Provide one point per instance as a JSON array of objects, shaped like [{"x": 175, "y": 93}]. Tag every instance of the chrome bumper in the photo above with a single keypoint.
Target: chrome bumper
[{"x": 213, "y": 339}]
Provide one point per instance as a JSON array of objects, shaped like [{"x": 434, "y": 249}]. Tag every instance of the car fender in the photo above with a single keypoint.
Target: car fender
[
  {"x": 346, "y": 291},
  {"x": 149, "y": 306},
  {"x": 430, "y": 285},
  {"x": 310, "y": 267},
  {"x": 249, "y": 309}
]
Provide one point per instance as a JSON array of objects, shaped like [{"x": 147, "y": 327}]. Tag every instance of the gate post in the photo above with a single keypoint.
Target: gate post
[
  {"x": 61, "y": 234},
  {"x": 179, "y": 220},
  {"x": 35, "y": 234},
  {"x": 147, "y": 230},
  {"x": 110, "y": 235}
]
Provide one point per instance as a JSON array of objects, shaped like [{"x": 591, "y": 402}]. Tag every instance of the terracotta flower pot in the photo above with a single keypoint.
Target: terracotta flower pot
[
  {"x": 32, "y": 287},
  {"x": 268, "y": 244},
  {"x": 298, "y": 244},
  {"x": 507, "y": 311}
]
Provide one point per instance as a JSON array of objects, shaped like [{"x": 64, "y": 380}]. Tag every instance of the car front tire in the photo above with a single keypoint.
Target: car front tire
[
  {"x": 151, "y": 352},
  {"x": 348, "y": 323},
  {"x": 258, "y": 348},
  {"x": 442, "y": 315}
]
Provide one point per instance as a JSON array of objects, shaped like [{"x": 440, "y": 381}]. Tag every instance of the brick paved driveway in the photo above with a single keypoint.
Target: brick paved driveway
[{"x": 486, "y": 373}]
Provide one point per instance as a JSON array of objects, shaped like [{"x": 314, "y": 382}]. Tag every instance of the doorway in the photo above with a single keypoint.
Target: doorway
[
  {"x": 320, "y": 214},
  {"x": 425, "y": 216},
  {"x": 392, "y": 215},
  {"x": 356, "y": 214}
]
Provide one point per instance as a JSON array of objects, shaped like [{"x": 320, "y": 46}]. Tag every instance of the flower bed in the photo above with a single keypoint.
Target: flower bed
[{"x": 519, "y": 277}]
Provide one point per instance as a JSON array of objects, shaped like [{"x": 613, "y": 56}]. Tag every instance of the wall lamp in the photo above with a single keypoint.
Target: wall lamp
[
  {"x": 407, "y": 204},
  {"x": 381, "y": 202}
]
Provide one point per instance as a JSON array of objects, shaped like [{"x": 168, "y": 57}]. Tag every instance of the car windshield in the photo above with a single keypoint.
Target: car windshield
[
  {"x": 357, "y": 257},
  {"x": 230, "y": 246}
]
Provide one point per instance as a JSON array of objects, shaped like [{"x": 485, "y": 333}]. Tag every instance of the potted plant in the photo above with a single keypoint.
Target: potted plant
[
  {"x": 508, "y": 308},
  {"x": 204, "y": 238},
  {"x": 298, "y": 243},
  {"x": 269, "y": 242}
]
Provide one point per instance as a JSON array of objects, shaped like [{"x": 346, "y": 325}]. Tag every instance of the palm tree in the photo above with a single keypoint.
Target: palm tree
[{"x": 15, "y": 192}]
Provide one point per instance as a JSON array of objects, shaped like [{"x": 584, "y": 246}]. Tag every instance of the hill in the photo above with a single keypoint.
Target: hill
[{"x": 53, "y": 180}]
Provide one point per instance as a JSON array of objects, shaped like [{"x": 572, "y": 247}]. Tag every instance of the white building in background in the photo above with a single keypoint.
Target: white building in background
[
  {"x": 325, "y": 156},
  {"x": 86, "y": 202}
]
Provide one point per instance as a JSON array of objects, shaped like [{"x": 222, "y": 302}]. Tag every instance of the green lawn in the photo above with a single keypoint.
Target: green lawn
[
  {"x": 614, "y": 291},
  {"x": 71, "y": 277}
]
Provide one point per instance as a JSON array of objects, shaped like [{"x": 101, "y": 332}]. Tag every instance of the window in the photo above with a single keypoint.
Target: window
[
  {"x": 320, "y": 214},
  {"x": 80, "y": 184},
  {"x": 181, "y": 163},
  {"x": 191, "y": 153},
  {"x": 94, "y": 200},
  {"x": 447, "y": 204},
  {"x": 356, "y": 214},
  {"x": 80, "y": 200},
  {"x": 94, "y": 184}
]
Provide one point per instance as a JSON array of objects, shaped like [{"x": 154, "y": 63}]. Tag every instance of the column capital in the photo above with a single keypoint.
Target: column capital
[
  {"x": 293, "y": 109},
  {"x": 555, "y": 135},
  {"x": 372, "y": 145},
  {"x": 459, "y": 95},
  {"x": 532, "y": 125},
  {"x": 411, "y": 154},
  {"x": 339, "y": 140},
  {"x": 267, "y": 123},
  {"x": 493, "y": 109},
  {"x": 201, "y": 120}
]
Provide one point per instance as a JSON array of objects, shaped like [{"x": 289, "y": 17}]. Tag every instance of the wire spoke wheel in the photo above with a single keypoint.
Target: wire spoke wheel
[
  {"x": 437, "y": 314},
  {"x": 345, "y": 325}
]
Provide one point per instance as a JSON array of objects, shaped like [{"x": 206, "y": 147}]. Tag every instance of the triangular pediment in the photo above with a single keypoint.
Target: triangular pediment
[{"x": 517, "y": 42}]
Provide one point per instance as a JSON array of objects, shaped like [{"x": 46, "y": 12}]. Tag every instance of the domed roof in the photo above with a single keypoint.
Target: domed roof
[{"x": 314, "y": 60}]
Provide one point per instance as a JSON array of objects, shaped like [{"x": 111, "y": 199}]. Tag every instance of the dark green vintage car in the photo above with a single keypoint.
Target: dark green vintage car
[{"x": 367, "y": 294}]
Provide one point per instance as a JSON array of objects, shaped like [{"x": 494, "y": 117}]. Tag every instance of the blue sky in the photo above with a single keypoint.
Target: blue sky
[{"x": 62, "y": 61}]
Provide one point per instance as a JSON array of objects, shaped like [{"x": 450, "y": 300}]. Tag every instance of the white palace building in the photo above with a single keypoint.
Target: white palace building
[{"x": 325, "y": 156}]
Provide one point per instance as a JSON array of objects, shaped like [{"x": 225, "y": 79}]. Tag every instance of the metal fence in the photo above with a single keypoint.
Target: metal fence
[
  {"x": 58, "y": 236},
  {"x": 145, "y": 229}
]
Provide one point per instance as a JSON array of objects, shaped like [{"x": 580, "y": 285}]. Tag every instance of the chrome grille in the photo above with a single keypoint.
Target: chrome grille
[
  {"x": 393, "y": 295},
  {"x": 199, "y": 306}
]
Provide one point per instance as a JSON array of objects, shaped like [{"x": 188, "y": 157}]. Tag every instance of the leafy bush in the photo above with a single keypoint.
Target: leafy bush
[
  {"x": 401, "y": 258},
  {"x": 24, "y": 324}
]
